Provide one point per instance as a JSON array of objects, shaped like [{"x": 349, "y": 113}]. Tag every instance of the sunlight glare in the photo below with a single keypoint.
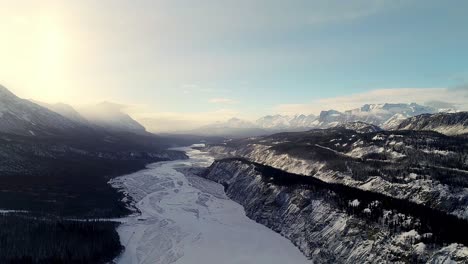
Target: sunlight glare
[{"x": 51, "y": 58}]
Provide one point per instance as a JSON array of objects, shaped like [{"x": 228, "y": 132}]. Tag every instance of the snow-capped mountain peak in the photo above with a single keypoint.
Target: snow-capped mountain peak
[
  {"x": 274, "y": 121},
  {"x": 360, "y": 127},
  {"x": 387, "y": 115},
  {"x": 287, "y": 122}
]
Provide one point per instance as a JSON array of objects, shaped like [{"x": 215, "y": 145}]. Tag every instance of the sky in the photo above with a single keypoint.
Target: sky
[{"x": 192, "y": 62}]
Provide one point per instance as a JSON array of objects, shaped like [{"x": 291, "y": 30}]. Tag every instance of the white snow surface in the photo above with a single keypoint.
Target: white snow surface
[{"x": 188, "y": 219}]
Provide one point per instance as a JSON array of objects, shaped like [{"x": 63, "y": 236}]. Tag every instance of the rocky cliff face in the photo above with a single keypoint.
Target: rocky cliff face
[
  {"x": 423, "y": 167},
  {"x": 330, "y": 225}
]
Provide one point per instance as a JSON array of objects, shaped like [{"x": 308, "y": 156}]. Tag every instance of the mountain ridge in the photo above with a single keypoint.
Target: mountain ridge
[
  {"x": 23, "y": 117},
  {"x": 387, "y": 115},
  {"x": 445, "y": 123}
]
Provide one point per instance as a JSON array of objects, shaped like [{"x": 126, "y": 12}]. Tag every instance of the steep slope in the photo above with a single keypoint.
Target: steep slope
[
  {"x": 110, "y": 116},
  {"x": 335, "y": 224},
  {"x": 331, "y": 118},
  {"x": 304, "y": 121},
  {"x": 282, "y": 122},
  {"x": 378, "y": 114},
  {"x": 423, "y": 167},
  {"x": 23, "y": 117},
  {"x": 274, "y": 122},
  {"x": 394, "y": 121},
  {"x": 360, "y": 127},
  {"x": 65, "y": 110},
  {"x": 445, "y": 123}
]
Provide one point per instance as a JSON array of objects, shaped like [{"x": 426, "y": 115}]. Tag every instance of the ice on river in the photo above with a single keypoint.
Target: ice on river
[{"x": 187, "y": 219}]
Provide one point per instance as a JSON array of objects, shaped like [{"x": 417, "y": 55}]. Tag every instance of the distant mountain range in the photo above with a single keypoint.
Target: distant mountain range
[
  {"x": 386, "y": 116},
  {"x": 31, "y": 118},
  {"x": 382, "y": 115}
]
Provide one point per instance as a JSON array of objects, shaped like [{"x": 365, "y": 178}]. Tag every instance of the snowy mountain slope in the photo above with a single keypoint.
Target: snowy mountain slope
[
  {"x": 303, "y": 121},
  {"x": 104, "y": 115},
  {"x": 281, "y": 122},
  {"x": 394, "y": 121},
  {"x": 423, "y": 167},
  {"x": 331, "y": 118},
  {"x": 23, "y": 117},
  {"x": 330, "y": 224},
  {"x": 375, "y": 114},
  {"x": 65, "y": 110},
  {"x": 445, "y": 123},
  {"x": 274, "y": 122},
  {"x": 379, "y": 113},
  {"x": 360, "y": 127},
  {"x": 110, "y": 116}
]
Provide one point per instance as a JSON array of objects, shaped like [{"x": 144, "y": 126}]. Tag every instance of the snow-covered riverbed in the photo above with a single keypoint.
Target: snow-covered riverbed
[{"x": 187, "y": 219}]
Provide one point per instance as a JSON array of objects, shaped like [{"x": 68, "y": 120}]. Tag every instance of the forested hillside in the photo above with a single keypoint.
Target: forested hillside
[{"x": 27, "y": 239}]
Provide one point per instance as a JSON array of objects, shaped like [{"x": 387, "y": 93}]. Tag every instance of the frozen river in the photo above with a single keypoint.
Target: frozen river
[{"x": 187, "y": 219}]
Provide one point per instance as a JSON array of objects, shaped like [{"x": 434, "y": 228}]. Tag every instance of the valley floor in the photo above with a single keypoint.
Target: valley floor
[{"x": 187, "y": 219}]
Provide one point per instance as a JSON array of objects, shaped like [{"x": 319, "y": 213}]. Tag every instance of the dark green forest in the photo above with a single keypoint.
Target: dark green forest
[{"x": 26, "y": 239}]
